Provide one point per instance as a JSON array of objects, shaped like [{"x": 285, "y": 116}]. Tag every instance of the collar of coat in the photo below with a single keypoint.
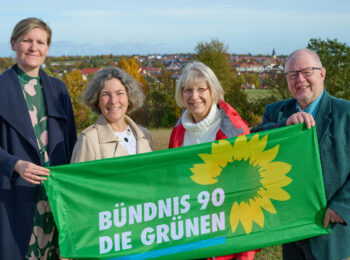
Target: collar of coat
[
  {"x": 13, "y": 107},
  {"x": 323, "y": 117},
  {"x": 106, "y": 133}
]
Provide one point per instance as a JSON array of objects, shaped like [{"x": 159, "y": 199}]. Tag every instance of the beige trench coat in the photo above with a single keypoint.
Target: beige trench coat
[{"x": 99, "y": 142}]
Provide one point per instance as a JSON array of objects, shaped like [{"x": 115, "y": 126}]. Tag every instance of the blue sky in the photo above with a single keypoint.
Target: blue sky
[{"x": 85, "y": 27}]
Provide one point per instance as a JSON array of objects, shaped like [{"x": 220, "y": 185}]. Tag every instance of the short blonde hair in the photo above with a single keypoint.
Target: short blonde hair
[
  {"x": 25, "y": 25},
  {"x": 132, "y": 87},
  {"x": 195, "y": 71}
]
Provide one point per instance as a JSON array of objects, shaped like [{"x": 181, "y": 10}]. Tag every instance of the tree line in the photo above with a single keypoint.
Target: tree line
[{"x": 160, "y": 109}]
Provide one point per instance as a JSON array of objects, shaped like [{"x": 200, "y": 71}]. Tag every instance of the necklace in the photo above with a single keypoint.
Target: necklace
[
  {"x": 127, "y": 140},
  {"x": 123, "y": 136}
]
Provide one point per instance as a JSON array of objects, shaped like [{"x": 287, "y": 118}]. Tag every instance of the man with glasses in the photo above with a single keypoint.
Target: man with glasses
[{"x": 313, "y": 105}]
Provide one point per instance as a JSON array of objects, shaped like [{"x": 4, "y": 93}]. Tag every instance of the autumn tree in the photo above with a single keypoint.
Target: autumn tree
[
  {"x": 252, "y": 78},
  {"x": 76, "y": 85},
  {"x": 214, "y": 55},
  {"x": 160, "y": 108},
  {"x": 50, "y": 73},
  {"x": 239, "y": 79},
  {"x": 132, "y": 67},
  {"x": 6, "y": 63},
  {"x": 335, "y": 57}
]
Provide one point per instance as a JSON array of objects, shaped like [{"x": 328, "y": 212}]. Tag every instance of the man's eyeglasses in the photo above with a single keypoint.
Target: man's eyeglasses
[
  {"x": 306, "y": 72},
  {"x": 189, "y": 91}
]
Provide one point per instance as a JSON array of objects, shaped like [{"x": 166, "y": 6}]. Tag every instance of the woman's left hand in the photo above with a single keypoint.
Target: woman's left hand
[{"x": 31, "y": 172}]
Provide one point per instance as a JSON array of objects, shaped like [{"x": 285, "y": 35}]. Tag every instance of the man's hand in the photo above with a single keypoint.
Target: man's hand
[
  {"x": 301, "y": 117},
  {"x": 333, "y": 217}
]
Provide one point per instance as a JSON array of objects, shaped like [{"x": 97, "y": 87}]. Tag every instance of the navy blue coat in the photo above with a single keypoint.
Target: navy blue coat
[
  {"x": 332, "y": 125},
  {"x": 17, "y": 141}
]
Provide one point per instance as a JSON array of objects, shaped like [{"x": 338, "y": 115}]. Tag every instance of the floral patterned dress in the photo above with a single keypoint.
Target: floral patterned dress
[{"x": 44, "y": 239}]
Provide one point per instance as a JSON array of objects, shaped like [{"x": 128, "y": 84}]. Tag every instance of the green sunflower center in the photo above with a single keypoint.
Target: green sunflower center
[{"x": 243, "y": 178}]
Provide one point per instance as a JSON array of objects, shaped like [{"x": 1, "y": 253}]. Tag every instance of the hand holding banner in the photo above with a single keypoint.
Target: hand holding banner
[{"x": 216, "y": 198}]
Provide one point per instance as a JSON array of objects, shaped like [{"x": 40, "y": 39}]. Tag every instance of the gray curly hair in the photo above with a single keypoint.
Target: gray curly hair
[{"x": 132, "y": 87}]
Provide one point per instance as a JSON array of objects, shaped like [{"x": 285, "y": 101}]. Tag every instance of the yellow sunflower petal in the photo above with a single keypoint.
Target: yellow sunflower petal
[
  {"x": 221, "y": 153},
  {"x": 260, "y": 159},
  {"x": 205, "y": 173},
  {"x": 253, "y": 146},
  {"x": 258, "y": 214},
  {"x": 234, "y": 216},
  {"x": 275, "y": 170},
  {"x": 281, "y": 181},
  {"x": 259, "y": 145},
  {"x": 220, "y": 146},
  {"x": 264, "y": 202},
  {"x": 277, "y": 193},
  {"x": 247, "y": 219},
  {"x": 214, "y": 161},
  {"x": 240, "y": 148},
  {"x": 273, "y": 177}
]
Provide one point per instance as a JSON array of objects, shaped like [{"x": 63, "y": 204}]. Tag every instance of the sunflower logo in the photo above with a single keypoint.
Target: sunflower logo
[{"x": 250, "y": 169}]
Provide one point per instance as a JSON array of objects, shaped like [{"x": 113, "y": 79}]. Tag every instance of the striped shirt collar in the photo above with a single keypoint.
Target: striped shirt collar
[{"x": 313, "y": 107}]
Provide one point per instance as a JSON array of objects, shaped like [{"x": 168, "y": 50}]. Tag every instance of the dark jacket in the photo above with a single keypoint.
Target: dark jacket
[
  {"x": 332, "y": 125},
  {"x": 17, "y": 141}
]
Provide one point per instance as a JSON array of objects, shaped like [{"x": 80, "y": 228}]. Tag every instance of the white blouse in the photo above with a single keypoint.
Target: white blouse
[
  {"x": 127, "y": 140},
  {"x": 203, "y": 131}
]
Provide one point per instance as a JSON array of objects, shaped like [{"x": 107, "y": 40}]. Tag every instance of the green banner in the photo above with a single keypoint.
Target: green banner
[{"x": 211, "y": 199}]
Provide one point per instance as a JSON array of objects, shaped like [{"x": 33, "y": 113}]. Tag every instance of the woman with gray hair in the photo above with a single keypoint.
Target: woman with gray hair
[
  {"x": 112, "y": 93},
  {"x": 206, "y": 117}
]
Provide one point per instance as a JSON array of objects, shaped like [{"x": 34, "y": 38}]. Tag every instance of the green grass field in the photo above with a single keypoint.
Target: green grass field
[
  {"x": 254, "y": 94},
  {"x": 161, "y": 137},
  {"x": 161, "y": 140}
]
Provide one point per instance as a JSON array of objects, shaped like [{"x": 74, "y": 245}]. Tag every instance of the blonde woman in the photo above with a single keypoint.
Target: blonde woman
[
  {"x": 37, "y": 129},
  {"x": 206, "y": 117}
]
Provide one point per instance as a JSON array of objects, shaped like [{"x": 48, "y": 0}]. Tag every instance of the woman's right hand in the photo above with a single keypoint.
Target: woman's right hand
[{"x": 31, "y": 172}]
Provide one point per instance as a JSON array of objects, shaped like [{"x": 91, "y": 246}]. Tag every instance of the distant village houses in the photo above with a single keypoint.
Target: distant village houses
[
  {"x": 153, "y": 66},
  {"x": 86, "y": 72}
]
